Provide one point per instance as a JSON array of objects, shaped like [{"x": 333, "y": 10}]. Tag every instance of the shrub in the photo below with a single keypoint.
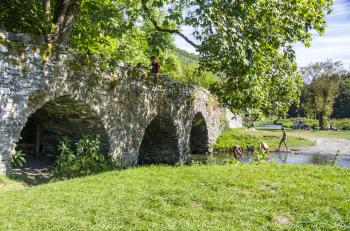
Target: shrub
[
  {"x": 86, "y": 160},
  {"x": 289, "y": 123},
  {"x": 260, "y": 155},
  {"x": 343, "y": 124},
  {"x": 311, "y": 123},
  {"x": 18, "y": 159}
]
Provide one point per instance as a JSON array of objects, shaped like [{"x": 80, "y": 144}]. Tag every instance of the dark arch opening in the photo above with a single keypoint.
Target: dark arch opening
[
  {"x": 160, "y": 143},
  {"x": 199, "y": 143},
  {"x": 58, "y": 118}
]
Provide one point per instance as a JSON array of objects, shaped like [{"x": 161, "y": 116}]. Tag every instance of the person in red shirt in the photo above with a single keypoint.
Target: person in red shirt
[{"x": 155, "y": 66}]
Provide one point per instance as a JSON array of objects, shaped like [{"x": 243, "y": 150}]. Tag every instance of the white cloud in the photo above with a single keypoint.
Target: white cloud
[{"x": 335, "y": 44}]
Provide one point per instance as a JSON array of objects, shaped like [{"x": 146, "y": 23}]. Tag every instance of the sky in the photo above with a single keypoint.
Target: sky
[{"x": 333, "y": 44}]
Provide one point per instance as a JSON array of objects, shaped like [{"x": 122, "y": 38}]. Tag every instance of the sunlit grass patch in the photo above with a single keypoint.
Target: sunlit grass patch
[
  {"x": 201, "y": 197},
  {"x": 245, "y": 137}
]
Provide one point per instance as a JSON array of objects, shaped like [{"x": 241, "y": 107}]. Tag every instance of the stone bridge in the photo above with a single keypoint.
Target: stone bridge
[{"x": 46, "y": 94}]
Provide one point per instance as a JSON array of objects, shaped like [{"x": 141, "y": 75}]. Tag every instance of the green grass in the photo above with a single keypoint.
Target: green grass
[
  {"x": 234, "y": 197},
  {"x": 6, "y": 184},
  {"x": 310, "y": 134},
  {"x": 342, "y": 124},
  {"x": 244, "y": 137},
  {"x": 333, "y": 134},
  {"x": 289, "y": 123}
]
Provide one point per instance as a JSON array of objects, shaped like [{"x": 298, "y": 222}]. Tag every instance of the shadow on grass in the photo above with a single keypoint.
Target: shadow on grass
[
  {"x": 34, "y": 172},
  {"x": 41, "y": 171}
]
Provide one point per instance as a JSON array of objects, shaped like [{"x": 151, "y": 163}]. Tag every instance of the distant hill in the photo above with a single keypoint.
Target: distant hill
[{"x": 186, "y": 57}]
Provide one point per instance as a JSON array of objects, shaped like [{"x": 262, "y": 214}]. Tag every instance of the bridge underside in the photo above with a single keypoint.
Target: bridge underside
[
  {"x": 160, "y": 143},
  {"x": 199, "y": 142},
  {"x": 59, "y": 118}
]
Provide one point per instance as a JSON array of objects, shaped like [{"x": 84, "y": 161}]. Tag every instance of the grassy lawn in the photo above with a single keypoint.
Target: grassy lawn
[
  {"x": 234, "y": 197},
  {"x": 311, "y": 134},
  {"x": 342, "y": 124},
  {"x": 244, "y": 137},
  {"x": 325, "y": 134},
  {"x": 7, "y": 184}
]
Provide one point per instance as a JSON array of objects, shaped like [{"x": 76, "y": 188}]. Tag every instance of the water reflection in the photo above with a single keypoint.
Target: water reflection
[{"x": 283, "y": 158}]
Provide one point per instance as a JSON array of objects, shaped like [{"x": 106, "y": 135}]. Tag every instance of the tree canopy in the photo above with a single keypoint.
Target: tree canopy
[
  {"x": 248, "y": 44},
  {"x": 325, "y": 92},
  {"x": 341, "y": 107}
]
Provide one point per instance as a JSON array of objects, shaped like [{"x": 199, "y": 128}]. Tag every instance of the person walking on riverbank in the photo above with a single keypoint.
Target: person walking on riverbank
[{"x": 284, "y": 139}]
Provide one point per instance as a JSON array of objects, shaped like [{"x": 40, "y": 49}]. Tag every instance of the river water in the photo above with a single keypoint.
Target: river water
[{"x": 282, "y": 158}]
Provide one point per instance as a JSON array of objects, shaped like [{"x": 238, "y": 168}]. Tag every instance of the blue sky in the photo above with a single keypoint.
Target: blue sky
[{"x": 334, "y": 44}]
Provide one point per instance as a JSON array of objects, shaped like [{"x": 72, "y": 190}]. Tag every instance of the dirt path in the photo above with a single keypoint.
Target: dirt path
[{"x": 330, "y": 146}]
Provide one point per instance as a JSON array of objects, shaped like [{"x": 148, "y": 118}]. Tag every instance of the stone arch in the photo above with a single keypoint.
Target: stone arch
[
  {"x": 199, "y": 140},
  {"x": 49, "y": 120},
  {"x": 160, "y": 143}
]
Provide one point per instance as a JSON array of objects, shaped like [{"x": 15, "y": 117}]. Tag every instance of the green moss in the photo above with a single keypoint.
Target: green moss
[
  {"x": 15, "y": 47},
  {"x": 46, "y": 52},
  {"x": 3, "y": 40},
  {"x": 224, "y": 123},
  {"x": 25, "y": 69},
  {"x": 36, "y": 98},
  {"x": 74, "y": 65},
  {"x": 103, "y": 65},
  {"x": 14, "y": 61},
  {"x": 208, "y": 103},
  {"x": 93, "y": 80},
  {"x": 113, "y": 84}
]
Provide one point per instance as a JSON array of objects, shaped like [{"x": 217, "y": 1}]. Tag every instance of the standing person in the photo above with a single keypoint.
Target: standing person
[
  {"x": 155, "y": 66},
  {"x": 283, "y": 140}
]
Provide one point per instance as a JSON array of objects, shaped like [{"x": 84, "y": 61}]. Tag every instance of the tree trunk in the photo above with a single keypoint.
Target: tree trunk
[
  {"x": 65, "y": 15},
  {"x": 47, "y": 10}
]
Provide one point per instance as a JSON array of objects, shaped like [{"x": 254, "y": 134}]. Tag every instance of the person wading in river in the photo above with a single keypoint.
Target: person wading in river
[
  {"x": 237, "y": 152},
  {"x": 264, "y": 146},
  {"x": 284, "y": 139}
]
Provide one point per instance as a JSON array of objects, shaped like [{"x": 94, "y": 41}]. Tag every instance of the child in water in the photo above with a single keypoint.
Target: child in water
[{"x": 264, "y": 146}]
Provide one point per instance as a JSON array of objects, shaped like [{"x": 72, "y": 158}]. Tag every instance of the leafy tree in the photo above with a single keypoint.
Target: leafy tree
[
  {"x": 321, "y": 92},
  {"x": 342, "y": 102},
  {"x": 54, "y": 19},
  {"x": 248, "y": 43}
]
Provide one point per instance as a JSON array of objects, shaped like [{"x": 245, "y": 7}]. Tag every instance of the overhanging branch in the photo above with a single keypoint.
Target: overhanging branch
[{"x": 166, "y": 30}]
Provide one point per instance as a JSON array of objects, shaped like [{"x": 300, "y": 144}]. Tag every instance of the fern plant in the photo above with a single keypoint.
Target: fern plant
[{"x": 17, "y": 159}]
